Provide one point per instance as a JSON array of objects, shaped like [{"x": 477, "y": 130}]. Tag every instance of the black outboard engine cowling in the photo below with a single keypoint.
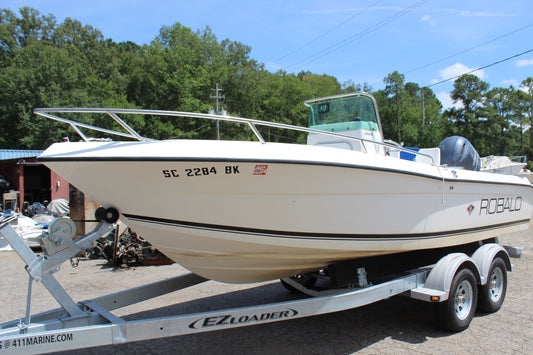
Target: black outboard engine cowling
[{"x": 458, "y": 151}]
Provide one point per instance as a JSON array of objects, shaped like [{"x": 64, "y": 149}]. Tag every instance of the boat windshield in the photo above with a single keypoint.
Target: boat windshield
[{"x": 343, "y": 114}]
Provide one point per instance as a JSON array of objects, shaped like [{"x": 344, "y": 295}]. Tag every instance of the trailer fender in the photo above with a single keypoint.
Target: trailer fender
[
  {"x": 484, "y": 256},
  {"x": 438, "y": 282}
]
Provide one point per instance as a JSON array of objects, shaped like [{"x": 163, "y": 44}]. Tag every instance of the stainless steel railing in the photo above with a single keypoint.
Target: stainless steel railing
[{"x": 131, "y": 133}]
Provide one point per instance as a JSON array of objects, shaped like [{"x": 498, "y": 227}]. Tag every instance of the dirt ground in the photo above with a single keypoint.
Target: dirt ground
[{"x": 397, "y": 325}]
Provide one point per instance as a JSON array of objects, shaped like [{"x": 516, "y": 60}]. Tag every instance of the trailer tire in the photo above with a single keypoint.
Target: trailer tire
[
  {"x": 492, "y": 294},
  {"x": 456, "y": 313}
]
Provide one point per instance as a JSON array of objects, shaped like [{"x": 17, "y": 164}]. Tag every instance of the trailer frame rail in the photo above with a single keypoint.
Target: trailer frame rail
[{"x": 91, "y": 323}]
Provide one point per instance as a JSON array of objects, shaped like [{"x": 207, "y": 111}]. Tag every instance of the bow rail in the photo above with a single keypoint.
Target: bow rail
[{"x": 131, "y": 133}]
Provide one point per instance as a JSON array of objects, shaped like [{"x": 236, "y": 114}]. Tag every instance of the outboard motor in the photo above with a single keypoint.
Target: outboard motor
[{"x": 458, "y": 151}]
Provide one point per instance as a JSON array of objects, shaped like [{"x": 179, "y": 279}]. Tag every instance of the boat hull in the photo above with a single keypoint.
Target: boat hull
[{"x": 245, "y": 212}]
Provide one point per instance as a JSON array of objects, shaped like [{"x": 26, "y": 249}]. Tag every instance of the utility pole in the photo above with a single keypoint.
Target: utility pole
[{"x": 217, "y": 96}]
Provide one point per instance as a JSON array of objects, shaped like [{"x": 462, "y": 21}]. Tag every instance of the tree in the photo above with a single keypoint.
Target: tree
[
  {"x": 53, "y": 66},
  {"x": 499, "y": 121},
  {"x": 410, "y": 112},
  {"x": 17, "y": 33},
  {"x": 394, "y": 86},
  {"x": 527, "y": 105},
  {"x": 433, "y": 122},
  {"x": 521, "y": 108},
  {"x": 350, "y": 86},
  {"x": 71, "y": 64},
  {"x": 470, "y": 92},
  {"x": 40, "y": 76}
]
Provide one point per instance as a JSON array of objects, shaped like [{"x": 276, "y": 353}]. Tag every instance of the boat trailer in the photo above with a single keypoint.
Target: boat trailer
[{"x": 452, "y": 283}]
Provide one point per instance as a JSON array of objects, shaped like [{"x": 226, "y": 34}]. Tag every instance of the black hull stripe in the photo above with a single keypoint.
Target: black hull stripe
[
  {"x": 325, "y": 236},
  {"x": 266, "y": 161}
]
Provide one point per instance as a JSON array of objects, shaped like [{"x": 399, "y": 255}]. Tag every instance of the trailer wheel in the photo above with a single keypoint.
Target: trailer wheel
[
  {"x": 492, "y": 294},
  {"x": 456, "y": 313}
]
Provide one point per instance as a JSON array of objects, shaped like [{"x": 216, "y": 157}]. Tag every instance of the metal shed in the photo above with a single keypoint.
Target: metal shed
[{"x": 33, "y": 181}]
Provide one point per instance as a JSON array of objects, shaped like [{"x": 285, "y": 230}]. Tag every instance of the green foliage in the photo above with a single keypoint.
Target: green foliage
[
  {"x": 493, "y": 120},
  {"x": 46, "y": 64},
  {"x": 410, "y": 114},
  {"x": 19, "y": 32}
]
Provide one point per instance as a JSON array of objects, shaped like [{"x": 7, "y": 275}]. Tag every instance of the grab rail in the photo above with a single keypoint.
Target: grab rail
[{"x": 46, "y": 112}]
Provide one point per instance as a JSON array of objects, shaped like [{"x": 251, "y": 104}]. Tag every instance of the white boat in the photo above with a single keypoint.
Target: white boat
[
  {"x": 29, "y": 229},
  {"x": 503, "y": 165},
  {"x": 507, "y": 165},
  {"x": 239, "y": 212}
]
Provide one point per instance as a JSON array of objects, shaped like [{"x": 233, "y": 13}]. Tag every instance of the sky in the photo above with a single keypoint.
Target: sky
[{"x": 363, "y": 41}]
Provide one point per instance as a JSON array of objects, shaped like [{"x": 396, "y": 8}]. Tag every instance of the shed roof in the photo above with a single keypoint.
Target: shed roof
[{"x": 9, "y": 154}]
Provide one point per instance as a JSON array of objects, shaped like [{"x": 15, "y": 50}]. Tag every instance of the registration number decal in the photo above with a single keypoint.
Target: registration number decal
[{"x": 199, "y": 171}]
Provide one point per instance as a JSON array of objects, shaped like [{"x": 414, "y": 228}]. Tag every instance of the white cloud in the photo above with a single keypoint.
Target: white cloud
[
  {"x": 446, "y": 100},
  {"x": 510, "y": 82},
  {"x": 456, "y": 70},
  {"x": 471, "y": 14},
  {"x": 481, "y": 14},
  {"x": 459, "y": 69},
  {"x": 273, "y": 66},
  {"x": 429, "y": 20},
  {"x": 346, "y": 10},
  {"x": 453, "y": 71},
  {"x": 524, "y": 88},
  {"x": 524, "y": 62}
]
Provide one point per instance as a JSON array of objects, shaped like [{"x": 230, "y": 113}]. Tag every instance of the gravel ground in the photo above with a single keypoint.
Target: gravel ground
[{"x": 397, "y": 325}]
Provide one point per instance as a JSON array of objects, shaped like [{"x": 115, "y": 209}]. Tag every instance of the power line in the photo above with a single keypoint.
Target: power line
[
  {"x": 481, "y": 68},
  {"x": 327, "y": 32},
  {"x": 463, "y": 51},
  {"x": 468, "y": 49},
  {"x": 357, "y": 36}
]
